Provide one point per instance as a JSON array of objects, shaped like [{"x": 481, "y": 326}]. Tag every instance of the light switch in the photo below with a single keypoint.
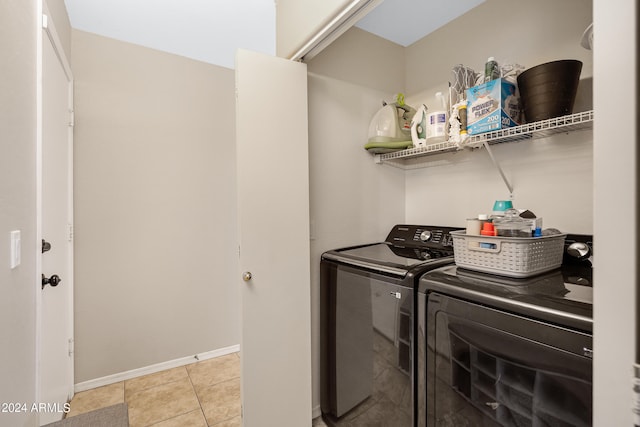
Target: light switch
[{"x": 15, "y": 248}]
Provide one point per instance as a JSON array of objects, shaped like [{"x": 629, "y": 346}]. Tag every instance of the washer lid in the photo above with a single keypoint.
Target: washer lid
[
  {"x": 387, "y": 258},
  {"x": 553, "y": 296}
]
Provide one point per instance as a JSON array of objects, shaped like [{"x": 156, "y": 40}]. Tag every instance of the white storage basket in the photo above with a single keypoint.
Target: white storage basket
[{"x": 508, "y": 256}]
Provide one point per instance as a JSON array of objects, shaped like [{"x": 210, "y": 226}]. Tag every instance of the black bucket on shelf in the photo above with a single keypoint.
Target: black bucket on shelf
[{"x": 549, "y": 90}]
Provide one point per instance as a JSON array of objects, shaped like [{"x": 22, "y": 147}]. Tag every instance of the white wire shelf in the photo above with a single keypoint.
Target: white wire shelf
[
  {"x": 541, "y": 129},
  {"x": 535, "y": 130},
  {"x": 440, "y": 147}
]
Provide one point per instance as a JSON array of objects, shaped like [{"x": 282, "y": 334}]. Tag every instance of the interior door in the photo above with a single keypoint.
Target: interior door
[
  {"x": 273, "y": 216},
  {"x": 56, "y": 308}
]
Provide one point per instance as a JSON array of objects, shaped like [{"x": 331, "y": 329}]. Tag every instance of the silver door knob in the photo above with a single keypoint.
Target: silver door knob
[{"x": 246, "y": 276}]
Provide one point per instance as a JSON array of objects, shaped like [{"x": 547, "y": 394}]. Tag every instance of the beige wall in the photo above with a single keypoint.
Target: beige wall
[
  {"x": 363, "y": 59},
  {"x": 155, "y": 207},
  {"x": 18, "y": 287}
]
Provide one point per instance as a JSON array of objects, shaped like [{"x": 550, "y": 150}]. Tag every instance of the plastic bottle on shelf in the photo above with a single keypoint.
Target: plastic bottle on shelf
[
  {"x": 491, "y": 70},
  {"x": 511, "y": 225},
  {"x": 499, "y": 209},
  {"x": 483, "y": 218},
  {"x": 475, "y": 225},
  {"x": 437, "y": 122},
  {"x": 488, "y": 229},
  {"x": 462, "y": 115}
]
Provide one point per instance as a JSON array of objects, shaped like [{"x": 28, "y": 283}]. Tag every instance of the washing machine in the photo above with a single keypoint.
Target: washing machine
[
  {"x": 368, "y": 332},
  {"x": 498, "y": 351}
]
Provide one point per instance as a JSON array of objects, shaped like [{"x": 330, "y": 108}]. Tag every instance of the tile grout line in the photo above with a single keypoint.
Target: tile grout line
[
  {"x": 172, "y": 385},
  {"x": 171, "y": 418},
  {"x": 230, "y": 418},
  {"x": 209, "y": 386},
  {"x": 150, "y": 387},
  {"x": 197, "y": 396},
  {"x": 74, "y": 401}
]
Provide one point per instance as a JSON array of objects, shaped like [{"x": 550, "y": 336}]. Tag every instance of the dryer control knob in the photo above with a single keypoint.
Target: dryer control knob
[
  {"x": 425, "y": 235},
  {"x": 579, "y": 250}
]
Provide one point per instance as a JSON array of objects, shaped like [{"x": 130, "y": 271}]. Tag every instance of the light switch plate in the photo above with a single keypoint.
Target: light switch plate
[{"x": 15, "y": 248}]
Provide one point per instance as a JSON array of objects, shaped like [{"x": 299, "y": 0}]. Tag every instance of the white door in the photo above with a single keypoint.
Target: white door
[
  {"x": 273, "y": 215},
  {"x": 56, "y": 306}
]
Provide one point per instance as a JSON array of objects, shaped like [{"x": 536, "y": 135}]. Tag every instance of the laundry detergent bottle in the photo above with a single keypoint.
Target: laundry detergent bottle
[{"x": 437, "y": 122}]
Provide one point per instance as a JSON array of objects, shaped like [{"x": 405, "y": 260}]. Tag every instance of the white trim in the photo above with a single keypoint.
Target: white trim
[
  {"x": 335, "y": 28},
  {"x": 151, "y": 369},
  {"x": 70, "y": 218},
  {"x": 38, "y": 241},
  {"x": 49, "y": 28},
  {"x": 316, "y": 412}
]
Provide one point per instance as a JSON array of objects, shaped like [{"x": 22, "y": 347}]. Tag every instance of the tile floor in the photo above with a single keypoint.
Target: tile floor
[{"x": 202, "y": 394}]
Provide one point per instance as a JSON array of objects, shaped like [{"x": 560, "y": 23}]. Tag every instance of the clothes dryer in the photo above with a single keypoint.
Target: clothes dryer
[{"x": 368, "y": 332}]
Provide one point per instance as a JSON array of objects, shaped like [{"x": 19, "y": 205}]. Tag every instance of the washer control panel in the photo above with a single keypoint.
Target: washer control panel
[
  {"x": 425, "y": 236},
  {"x": 421, "y": 236}
]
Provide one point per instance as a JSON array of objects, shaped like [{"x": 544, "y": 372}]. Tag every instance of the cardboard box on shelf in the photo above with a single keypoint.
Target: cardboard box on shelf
[{"x": 492, "y": 106}]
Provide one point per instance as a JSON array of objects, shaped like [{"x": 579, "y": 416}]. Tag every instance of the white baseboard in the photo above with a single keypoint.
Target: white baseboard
[
  {"x": 151, "y": 369},
  {"x": 316, "y": 412}
]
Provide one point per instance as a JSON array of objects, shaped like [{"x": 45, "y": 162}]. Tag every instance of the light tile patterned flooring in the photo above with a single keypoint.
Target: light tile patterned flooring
[{"x": 202, "y": 394}]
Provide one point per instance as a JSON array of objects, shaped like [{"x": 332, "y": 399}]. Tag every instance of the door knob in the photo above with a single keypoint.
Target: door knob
[
  {"x": 246, "y": 276},
  {"x": 53, "y": 280},
  {"x": 46, "y": 246}
]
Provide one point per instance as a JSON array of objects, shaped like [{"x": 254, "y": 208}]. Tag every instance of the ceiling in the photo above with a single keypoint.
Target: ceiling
[
  {"x": 406, "y": 21},
  {"x": 205, "y": 30},
  {"x": 212, "y": 30}
]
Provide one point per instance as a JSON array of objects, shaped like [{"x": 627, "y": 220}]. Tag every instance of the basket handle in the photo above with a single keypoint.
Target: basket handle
[{"x": 481, "y": 245}]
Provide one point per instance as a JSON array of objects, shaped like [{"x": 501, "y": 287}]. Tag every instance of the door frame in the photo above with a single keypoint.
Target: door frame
[{"x": 45, "y": 27}]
